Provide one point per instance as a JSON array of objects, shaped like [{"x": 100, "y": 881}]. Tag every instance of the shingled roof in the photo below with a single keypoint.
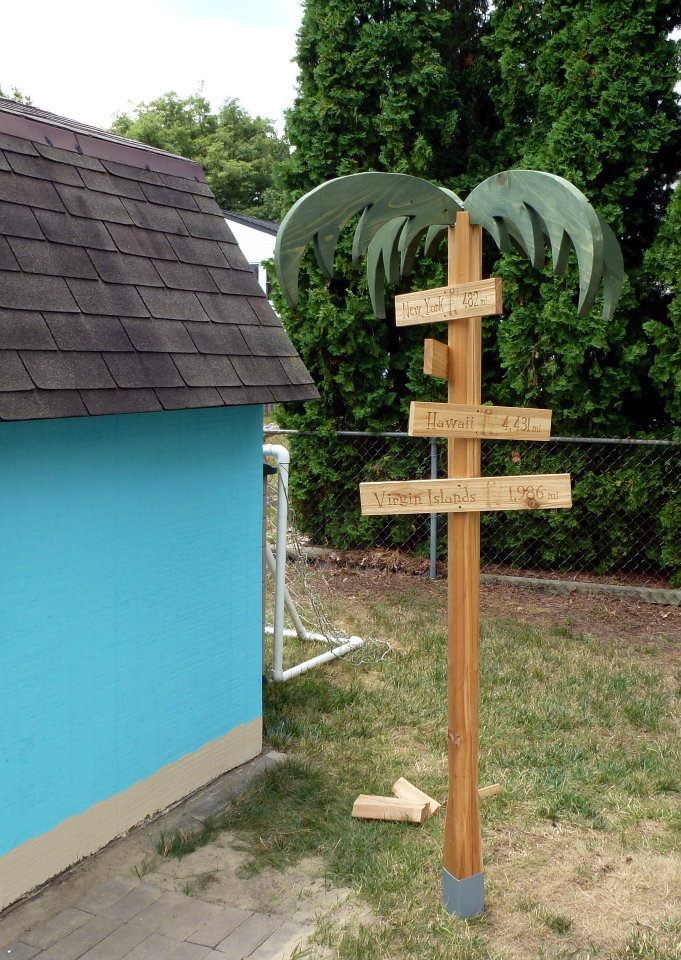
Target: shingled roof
[{"x": 122, "y": 288}]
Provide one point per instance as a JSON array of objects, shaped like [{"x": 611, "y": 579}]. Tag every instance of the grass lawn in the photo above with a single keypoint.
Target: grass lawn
[{"x": 581, "y": 848}]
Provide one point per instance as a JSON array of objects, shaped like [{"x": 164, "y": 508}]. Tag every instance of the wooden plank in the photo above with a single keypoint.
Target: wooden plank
[
  {"x": 462, "y": 856},
  {"x": 493, "y": 423},
  {"x": 407, "y": 791},
  {"x": 478, "y": 298},
  {"x": 467, "y": 494},
  {"x": 435, "y": 359},
  {"x": 491, "y": 791},
  {"x": 367, "y": 807}
]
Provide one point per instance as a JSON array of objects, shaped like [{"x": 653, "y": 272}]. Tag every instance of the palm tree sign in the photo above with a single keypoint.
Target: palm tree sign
[{"x": 527, "y": 208}]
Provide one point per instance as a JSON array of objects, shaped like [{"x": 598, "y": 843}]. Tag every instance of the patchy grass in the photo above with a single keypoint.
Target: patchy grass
[
  {"x": 579, "y": 847},
  {"x": 183, "y": 842}
]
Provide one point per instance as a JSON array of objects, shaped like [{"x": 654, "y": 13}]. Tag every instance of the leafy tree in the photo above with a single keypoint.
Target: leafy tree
[
  {"x": 586, "y": 90},
  {"x": 239, "y": 153},
  {"x": 16, "y": 94}
]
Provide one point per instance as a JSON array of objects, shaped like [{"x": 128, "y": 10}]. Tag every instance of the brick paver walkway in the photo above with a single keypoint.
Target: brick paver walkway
[{"x": 128, "y": 920}]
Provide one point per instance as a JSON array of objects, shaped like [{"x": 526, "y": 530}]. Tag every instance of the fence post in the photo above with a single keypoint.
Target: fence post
[{"x": 433, "y": 516}]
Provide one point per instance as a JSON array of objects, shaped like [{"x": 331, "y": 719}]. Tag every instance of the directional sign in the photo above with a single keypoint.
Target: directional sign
[
  {"x": 467, "y": 494},
  {"x": 492, "y": 423},
  {"x": 481, "y": 298}
]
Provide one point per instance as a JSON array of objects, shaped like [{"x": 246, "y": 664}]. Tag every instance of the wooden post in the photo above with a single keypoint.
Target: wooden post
[{"x": 462, "y": 875}]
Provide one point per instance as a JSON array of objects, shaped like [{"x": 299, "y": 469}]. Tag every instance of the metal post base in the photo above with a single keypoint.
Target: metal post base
[{"x": 463, "y": 898}]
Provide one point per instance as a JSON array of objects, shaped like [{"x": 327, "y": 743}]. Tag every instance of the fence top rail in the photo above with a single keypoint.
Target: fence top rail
[{"x": 615, "y": 441}]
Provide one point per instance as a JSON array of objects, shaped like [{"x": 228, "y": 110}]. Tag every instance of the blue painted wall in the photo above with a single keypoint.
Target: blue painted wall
[{"x": 130, "y": 601}]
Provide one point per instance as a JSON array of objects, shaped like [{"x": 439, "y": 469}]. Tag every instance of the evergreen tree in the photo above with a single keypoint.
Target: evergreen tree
[
  {"x": 240, "y": 154},
  {"x": 394, "y": 85},
  {"x": 586, "y": 90},
  {"x": 664, "y": 265}
]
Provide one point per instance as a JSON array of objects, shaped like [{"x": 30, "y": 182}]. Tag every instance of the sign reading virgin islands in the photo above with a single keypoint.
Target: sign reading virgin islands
[{"x": 467, "y": 494}]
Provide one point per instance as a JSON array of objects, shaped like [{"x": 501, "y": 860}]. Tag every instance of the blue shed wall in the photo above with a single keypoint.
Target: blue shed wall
[{"x": 130, "y": 601}]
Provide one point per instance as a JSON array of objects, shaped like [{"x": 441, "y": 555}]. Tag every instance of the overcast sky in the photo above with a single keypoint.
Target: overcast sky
[{"x": 88, "y": 60}]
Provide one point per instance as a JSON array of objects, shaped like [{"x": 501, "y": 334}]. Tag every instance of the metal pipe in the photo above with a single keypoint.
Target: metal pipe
[
  {"x": 283, "y": 459},
  {"x": 613, "y": 441}
]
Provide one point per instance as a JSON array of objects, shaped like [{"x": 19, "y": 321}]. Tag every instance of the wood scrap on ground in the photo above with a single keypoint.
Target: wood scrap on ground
[
  {"x": 368, "y": 807},
  {"x": 409, "y": 803}
]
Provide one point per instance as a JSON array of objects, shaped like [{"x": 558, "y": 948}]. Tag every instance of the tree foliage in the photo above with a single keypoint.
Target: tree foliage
[
  {"x": 393, "y": 85},
  {"x": 240, "y": 154},
  {"x": 586, "y": 90},
  {"x": 15, "y": 94},
  {"x": 664, "y": 265},
  {"x": 436, "y": 89}
]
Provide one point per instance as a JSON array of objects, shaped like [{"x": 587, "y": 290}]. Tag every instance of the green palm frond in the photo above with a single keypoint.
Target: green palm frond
[
  {"x": 530, "y": 206},
  {"x": 397, "y": 209},
  {"x": 526, "y": 206}
]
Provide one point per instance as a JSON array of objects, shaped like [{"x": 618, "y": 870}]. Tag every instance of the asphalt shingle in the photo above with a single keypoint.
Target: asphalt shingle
[
  {"x": 151, "y": 216},
  {"x": 203, "y": 370},
  {"x": 13, "y": 374},
  {"x": 63, "y": 228},
  {"x": 143, "y": 370},
  {"x": 141, "y": 243},
  {"x": 80, "y": 331},
  {"x": 44, "y": 169},
  {"x": 16, "y": 221},
  {"x": 102, "y": 402},
  {"x": 193, "y": 250},
  {"x": 185, "y": 276},
  {"x": 7, "y": 259},
  {"x": 173, "y": 304},
  {"x": 237, "y": 281},
  {"x": 220, "y": 338},
  {"x": 24, "y": 330},
  {"x": 206, "y": 226},
  {"x": 81, "y": 202},
  {"x": 116, "y": 267},
  {"x": 158, "y": 336},
  {"x": 53, "y": 259},
  {"x": 30, "y": 292},
  {"x": 122, "y": 288},
  {"x": 57, "y": 370},
  {"x": 112, "y": 299},
  {"x": 224, "y": 309},
  {"x": 168, "y": 197}
]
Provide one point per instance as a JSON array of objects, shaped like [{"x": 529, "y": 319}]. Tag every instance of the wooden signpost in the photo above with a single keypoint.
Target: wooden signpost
[
  {"x": 463, "y": 495},
  {"x": 530, "y": 208},
  {"x": 488, "y": 423},
  {"x": 478, "y": 299},
  {"x": 466, "y": 494}
]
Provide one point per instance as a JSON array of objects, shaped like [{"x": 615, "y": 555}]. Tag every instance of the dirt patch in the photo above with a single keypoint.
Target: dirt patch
[
  {"x": 216, "y": 873},
  {"x": 574, "y": 891},
  {"x": 604, "y": 616}
]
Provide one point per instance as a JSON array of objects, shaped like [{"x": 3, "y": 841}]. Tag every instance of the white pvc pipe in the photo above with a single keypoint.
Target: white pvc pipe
[
  {"x": 288, "y": 599},
  {"x": 283, "y": 459},
  {"x": 352, "y": 644},
  {"x": 282, "y": 598}
]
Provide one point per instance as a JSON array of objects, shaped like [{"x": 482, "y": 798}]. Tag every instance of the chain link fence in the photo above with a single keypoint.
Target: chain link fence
[{"x": 624, "y": 529}]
